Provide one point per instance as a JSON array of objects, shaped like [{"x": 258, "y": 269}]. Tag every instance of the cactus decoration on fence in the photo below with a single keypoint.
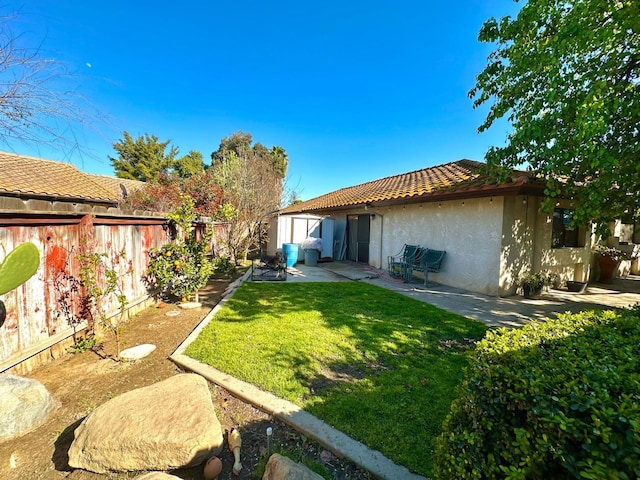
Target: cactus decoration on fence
[{"x": 17, "y": 267}]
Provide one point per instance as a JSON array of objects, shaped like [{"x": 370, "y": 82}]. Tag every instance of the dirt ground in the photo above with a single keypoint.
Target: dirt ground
[{"x": 81, "y": 382}]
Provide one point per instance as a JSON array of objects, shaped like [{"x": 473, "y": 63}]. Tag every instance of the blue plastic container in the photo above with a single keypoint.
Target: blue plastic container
[{"x": 291, "y": 252}]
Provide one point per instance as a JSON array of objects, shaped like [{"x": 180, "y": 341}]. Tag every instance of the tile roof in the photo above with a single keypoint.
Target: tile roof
[
  {"x": 119, "y": 187},
  {"x": 460, "y": 178},
  {"x": 38, "y": 178}
]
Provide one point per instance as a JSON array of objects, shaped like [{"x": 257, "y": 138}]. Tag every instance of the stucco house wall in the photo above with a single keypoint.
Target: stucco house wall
[
  {"x": 493, "y": 232},
  {"x": 571, "y": 263},
  {"x": 518, "y": 242},
  {"x": 527, "y": 245},
  {"x": 469, "y": 231},
  {"x": 489, "y": 241}
]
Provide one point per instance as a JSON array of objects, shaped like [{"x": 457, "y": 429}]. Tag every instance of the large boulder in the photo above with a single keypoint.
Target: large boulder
[
  {"x": 168, "y": 425},
  {"x": 25, "y": 404},
  {"x": 283, "y": 468}
]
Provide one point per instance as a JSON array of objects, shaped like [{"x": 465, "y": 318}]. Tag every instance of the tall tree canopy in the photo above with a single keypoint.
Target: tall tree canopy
[
  {"x": 251, "y": 178},
  {"x": 566, "y": 74},
  {"x": 144, "y": 158},
  {"x": 239, "y": 144},
  {"x": 190, "y": 164}
]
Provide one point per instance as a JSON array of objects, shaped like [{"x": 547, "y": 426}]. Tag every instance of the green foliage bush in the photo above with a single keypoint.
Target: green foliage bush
[
  {"x": 557, "y": 399},
  {"x": 223, "y": 266},
  {"x": 180, "y": 268}
]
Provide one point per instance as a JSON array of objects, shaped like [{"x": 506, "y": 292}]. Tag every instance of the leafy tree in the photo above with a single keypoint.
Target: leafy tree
[
  {"x": 161, "y": 196},
  {"x": 251, "y": 178},
  {"x": 189, "y": 165},
  {"x": 239, "y": 144},
  {"x": 204, "y": 191},
  {"x": 180, "y": 268},
  {"x": 167, "y": 194},
  {"x": 280, "y": 160},
  {"x": 566, "y": 74},
  {"x": 144, "y": 158}
]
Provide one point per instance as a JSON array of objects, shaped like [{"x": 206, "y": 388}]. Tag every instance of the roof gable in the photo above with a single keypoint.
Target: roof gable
[{"x": 455, "y": 179}]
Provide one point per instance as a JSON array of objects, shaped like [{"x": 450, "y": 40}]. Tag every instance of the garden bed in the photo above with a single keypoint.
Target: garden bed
[{"x": 81, "y": 382}]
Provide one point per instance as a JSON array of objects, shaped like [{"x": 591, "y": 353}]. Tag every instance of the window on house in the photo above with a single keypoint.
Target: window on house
[
  {"x": 629, "y": 231},
  {"x": 564, "y": 234}
]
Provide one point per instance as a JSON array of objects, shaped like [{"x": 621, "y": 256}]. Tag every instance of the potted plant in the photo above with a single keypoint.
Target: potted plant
[
  {"x": 609, "y": 259},
  {"x": 533, "y": 283}
]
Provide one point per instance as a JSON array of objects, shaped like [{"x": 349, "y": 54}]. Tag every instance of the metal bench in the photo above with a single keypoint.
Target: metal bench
[
  {"x": 396, "y": 264},
  {"x": 426, "y": 260}
]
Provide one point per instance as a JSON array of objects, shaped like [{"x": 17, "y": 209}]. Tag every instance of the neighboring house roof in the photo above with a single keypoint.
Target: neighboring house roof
[
  {"x": 119, "y": 187},
  {"x": 460, "y": 179},
  {"x": 29, "y": 177}
]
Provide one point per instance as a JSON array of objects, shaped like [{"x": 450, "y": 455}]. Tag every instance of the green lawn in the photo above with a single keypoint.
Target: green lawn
[{"x": 375, "y": 364}]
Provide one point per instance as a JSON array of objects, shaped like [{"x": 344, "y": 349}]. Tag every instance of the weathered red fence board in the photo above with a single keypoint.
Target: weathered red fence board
[{"x": 33, "y": 310}]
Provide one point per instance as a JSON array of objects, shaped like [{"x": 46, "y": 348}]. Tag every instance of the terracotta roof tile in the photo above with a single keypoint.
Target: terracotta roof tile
[
  {"x": 456, "y": 176},
  {"x": 36, "y": 177},
  {"x": 119, "y": 187}
]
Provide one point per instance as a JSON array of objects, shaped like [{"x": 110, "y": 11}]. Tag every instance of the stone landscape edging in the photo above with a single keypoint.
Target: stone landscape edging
[{"x": 330, "y": 438}]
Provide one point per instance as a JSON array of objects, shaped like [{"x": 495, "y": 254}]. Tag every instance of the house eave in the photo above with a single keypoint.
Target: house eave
[
  {"x": 430, "y": 197},
  {"x": 106, "y": 202}
]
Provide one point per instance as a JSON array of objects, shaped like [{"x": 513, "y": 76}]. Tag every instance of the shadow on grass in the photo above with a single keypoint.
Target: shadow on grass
[{"x": 375, "y": 364}]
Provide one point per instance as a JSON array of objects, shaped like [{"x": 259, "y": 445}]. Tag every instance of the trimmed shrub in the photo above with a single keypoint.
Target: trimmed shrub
[{"x": 557, "y": 399}]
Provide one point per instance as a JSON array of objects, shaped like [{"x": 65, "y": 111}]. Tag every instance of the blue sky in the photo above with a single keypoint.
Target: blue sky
[{"x": 353, "y": 90}]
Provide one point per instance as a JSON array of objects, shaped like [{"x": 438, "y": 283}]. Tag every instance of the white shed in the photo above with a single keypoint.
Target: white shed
[{"x": 295, "y": 228}]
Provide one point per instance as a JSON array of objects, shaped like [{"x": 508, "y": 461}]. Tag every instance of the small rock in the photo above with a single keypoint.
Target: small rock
[
  {"x": 189, "y": 305},
  {"x": 137, "y": 352},
  {"x": 156, "y": 476},
  {"x": 25, "y": 405},
  {"x": 212, "y": 468},
  {"x": 283, "y": 468},
  {"x": 326, "y": 456}
]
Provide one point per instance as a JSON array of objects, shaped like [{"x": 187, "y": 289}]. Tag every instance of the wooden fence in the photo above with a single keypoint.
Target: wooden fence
[{"x": 35, "y": 329}]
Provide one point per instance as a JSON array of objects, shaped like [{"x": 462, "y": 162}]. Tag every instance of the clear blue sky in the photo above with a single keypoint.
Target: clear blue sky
[{"x": 353, "y": 90}]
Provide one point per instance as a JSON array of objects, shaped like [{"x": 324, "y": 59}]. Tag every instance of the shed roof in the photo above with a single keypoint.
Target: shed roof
[
  {"x": 31, "y": 177},
  {"x": 460, "y": 179}
]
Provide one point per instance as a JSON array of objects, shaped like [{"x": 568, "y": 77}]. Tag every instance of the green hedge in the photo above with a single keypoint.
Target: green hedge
[{"x": 554, "y": 400}]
